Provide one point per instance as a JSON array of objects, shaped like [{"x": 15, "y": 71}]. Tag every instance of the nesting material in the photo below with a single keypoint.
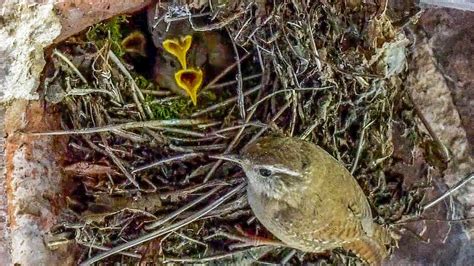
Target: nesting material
[{"x": 145, "y": 185}]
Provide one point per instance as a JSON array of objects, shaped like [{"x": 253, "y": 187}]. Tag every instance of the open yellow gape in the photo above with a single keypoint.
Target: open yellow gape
[
  {"x": 135, "y": 43},
  {"x": 179, "y": 47},
  {"x": 188, "y": 79}
]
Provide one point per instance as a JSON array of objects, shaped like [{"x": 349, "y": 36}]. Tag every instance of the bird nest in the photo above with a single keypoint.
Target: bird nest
[{"x": 145, "y": 188}]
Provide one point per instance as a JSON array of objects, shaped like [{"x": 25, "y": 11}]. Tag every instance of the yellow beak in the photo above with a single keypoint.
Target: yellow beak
[
  {"x": 179, "y": 48},
  {"x": 135, "y": 43},
  {"x": 189, "y": 80}
]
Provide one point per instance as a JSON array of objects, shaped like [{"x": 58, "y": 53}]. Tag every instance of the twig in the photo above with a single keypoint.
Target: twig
[
  {"x": 181, "y": 131},
  {"x": 285, "y": 90},
  {"x": 251, "y": 35},
  {"x": 166, "y": 99},
  {"x": 137, "y": 138},
  {"x": 223, "y": 73},
  {"x": 213, "y": 258},
  {"x": 450, "y": 191},
  {"x": 209, "y": 124},
  {"x": 421, "y": 218},
  {"x": 232, "y": 82},
  {"x": 220, "y": 24},
  {"x": 146, "y": 106},
  {"x": 246, "y": 23},
  {"x": 314, "y": 48},
  {"x": 133, "y": 85},
  {"x": 183, "y": 209},
  {"x": 254, "y": 124},
  {"x": 156, "y": 92},
  {"x": 81, "y": 92},
  {"x": 159, "y": 138},
  {"x": 231, "y": 146},
  {"x": 224, "y": 103},
  {"x": 294, "y": 100},
  {"x": 181, "y": 157},
  {"x": 418, "y": 237},
  {"x": 211, "y": 147},
  {"x": 288, "y": 257},
  {"x": 175, "y": 195},
  {"x": 90, "y": 245},
  {"x": 201, "y": 139},
  {"x": 165, "y": 230},
  {"x": 192, "y": 240},
  {"x": 172, "y": 19},
  {"x": 259, "y": 133},
  {"x": 120, "y": 165},
  {"x": 240, "y": 93},
  {"x": 232, "y": 207},
  {"x": 129, "y": 125},
  {"x": 69, "y": 63},
  {"x": 360, "y": 145}
]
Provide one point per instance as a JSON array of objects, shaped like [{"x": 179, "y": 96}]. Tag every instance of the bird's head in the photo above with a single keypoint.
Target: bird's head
[
  {"x": 187, "y": 78},
  {"x": 274, "y": 166}
]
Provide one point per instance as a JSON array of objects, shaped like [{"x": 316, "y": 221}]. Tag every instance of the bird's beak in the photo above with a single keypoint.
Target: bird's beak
[
  {"x": 135, "y": 43},
  {"x": 179, "y": 48},
  {"x": 189, "y": 80},
  {"x": 229, "y": 157}
]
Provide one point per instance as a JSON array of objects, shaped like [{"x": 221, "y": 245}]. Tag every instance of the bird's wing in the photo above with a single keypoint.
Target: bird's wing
[{"x": 337, "y": 198}]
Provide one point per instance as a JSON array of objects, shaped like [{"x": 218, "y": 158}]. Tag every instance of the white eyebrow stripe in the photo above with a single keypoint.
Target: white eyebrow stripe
[{"x": 280, "y": 169}]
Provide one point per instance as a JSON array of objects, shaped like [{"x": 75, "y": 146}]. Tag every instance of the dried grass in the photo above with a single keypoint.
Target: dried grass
[{"x": 327, "y": 72}]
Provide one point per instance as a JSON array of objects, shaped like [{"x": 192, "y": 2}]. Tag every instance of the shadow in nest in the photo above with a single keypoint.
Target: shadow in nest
[{"x": 139, "y": 146}]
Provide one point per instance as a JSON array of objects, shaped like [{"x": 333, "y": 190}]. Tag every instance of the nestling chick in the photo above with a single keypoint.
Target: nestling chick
[
  {"x": 179, "y": 47},
  {"x": 308, "y": 200},
  {"x": 135, "y": 43},
  {"x": 201, "y": 55}
]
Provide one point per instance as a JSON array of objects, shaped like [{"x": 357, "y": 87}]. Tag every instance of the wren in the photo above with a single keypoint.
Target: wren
[{"x": 308, "y": 200}]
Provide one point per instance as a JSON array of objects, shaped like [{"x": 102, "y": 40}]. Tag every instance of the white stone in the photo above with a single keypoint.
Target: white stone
[{"x": 25, "y": 30}]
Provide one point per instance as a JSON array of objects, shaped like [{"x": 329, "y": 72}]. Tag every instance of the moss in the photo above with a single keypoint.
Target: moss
[
  {"x": 209, "y": 95},
  {"x": 181, "y": 107},
  {"x": 142, "y": 82},
  {"x": 172, "y": 109},
  {"x": 110, "y": 31}
]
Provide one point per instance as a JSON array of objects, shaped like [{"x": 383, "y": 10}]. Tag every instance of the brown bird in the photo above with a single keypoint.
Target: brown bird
[
  {"x": 308, "y": 200},
  {"x": 185, "y": 53}
]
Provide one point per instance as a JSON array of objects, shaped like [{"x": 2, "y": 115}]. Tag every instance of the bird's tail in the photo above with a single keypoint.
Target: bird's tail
[{"x": 371, "y": 249}]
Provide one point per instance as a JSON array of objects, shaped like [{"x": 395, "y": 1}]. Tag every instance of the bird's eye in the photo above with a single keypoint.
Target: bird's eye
[{"x": 264, "y": 172}]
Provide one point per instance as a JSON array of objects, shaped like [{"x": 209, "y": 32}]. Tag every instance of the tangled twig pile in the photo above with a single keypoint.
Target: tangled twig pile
[{"x": 328, "y": 73}]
